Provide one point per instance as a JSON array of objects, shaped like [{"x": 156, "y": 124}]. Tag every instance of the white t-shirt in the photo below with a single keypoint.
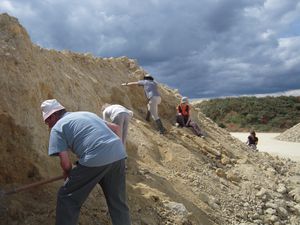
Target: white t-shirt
[{"x": 113, "y": 110}]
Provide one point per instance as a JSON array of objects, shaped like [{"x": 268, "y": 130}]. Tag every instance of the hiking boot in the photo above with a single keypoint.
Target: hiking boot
[
  {"x": 148, "y": 116},
  {"x": 160, "y": 126}
]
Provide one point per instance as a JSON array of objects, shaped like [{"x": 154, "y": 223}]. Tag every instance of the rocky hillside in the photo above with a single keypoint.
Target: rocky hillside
[
  {"x": 292, "y": 134},
  {"x": 176, "y": 178}
]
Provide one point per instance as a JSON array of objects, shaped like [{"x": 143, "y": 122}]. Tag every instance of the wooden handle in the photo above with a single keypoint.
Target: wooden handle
[{"x": 28, "y": 186}]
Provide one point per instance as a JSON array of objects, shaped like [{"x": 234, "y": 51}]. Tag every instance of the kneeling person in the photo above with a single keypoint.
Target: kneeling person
[{"x": 183, "y": 117}]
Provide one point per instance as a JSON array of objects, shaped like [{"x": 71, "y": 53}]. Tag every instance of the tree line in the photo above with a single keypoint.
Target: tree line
[{"x": 267, "y": 114}]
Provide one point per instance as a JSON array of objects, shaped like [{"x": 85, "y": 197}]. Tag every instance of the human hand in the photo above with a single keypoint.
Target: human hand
[
  {"x": 66, "y": 174},
  {"x": 124, "y": 84}
]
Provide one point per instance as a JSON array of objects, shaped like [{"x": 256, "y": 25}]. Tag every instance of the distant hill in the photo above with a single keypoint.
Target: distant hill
[{"x": 268, "y": 114}]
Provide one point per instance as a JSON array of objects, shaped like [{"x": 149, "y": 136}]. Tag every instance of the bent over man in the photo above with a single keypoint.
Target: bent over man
[
  {"x": 101, "y": 160},
  {"x": 119, "y": 115}
]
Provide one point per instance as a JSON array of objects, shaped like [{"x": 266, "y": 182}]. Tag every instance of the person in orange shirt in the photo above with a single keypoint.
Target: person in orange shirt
[{"x": 183, "y": 117}]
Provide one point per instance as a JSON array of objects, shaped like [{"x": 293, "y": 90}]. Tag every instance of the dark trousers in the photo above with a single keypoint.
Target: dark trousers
[
  {"x": 80, "y": 183},
  {"x": 182, "y": 121}
]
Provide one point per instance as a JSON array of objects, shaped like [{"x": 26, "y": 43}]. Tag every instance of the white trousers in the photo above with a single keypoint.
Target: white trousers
[{"x": 153, "y": 106}]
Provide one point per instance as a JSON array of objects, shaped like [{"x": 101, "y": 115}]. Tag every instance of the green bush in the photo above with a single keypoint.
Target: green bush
[{"x": 263, "y": 114}]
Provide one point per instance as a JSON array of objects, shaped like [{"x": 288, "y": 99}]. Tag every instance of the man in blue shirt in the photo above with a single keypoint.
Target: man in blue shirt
[{"x": 101, "y": 160}]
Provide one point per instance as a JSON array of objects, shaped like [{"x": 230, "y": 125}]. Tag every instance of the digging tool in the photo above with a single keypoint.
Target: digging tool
[{"x": 29, "y": 186}]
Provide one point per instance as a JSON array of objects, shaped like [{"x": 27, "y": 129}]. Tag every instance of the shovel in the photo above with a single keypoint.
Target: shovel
[{"x": 32, "y": 185}]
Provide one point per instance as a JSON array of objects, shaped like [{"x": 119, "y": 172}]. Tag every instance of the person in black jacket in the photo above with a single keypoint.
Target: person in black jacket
[{"x": 252, "y": 140}]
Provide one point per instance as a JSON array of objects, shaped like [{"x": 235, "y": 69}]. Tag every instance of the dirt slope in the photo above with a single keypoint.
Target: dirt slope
[
  {"x": 172, "y": 179},
  {"x": 292, "y": 134}
]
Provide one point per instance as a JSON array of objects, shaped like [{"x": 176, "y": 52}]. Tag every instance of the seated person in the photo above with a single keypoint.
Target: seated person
[
  {"x": 183, "y": 117},
  {"x": 252, "y": 140}
]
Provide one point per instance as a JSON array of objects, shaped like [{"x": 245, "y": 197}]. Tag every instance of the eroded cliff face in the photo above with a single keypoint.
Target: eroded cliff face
[{"x": 176, "y": 178}]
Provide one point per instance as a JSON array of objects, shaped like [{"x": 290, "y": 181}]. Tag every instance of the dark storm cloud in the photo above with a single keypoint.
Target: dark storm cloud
[{"x": 204, "y": 48}]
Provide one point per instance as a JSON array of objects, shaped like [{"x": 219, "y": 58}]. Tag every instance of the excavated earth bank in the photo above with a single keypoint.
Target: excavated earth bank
[{"x": 176, "y": 178}]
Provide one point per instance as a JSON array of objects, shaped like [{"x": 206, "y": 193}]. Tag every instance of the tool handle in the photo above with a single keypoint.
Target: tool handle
[{"x": 28, "y": 186}]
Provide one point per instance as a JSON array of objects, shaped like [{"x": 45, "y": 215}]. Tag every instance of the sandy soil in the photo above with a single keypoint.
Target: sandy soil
[
  {"x": 268, "y": 143},
  {"x": 172, "y": 179}
]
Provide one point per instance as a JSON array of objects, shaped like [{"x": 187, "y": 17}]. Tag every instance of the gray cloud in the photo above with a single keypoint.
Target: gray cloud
[{"x": 203, "y": 48}]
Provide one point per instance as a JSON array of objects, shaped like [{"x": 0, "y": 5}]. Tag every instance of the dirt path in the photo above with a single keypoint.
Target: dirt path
[{"x": 268, "y": 143}]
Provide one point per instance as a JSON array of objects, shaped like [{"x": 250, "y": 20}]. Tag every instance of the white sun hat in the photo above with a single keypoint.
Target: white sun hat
[
  {"x": 50, "y": 106},
  {"x": 184, "y": 99}
]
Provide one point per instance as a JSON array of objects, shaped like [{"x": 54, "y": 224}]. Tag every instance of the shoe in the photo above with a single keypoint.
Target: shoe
[{"x": 148, "y": 116}]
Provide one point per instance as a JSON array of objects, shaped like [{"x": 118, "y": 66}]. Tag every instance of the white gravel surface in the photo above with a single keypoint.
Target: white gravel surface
[{"x": 268, "y": 143}]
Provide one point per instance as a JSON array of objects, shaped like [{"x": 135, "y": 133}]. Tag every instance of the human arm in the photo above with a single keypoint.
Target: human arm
[
  {"x": 105, "y": 116},
  {"x": 179, "y": 110},
  {"x": 188, "y": 115},
  {"x": 65, "y": 163},
  {"x": 248, "y": 142},
  {"x": 130, "y": 83},
  {"x": 115, "y": 128},
  {"x": 58, "y": 147}
]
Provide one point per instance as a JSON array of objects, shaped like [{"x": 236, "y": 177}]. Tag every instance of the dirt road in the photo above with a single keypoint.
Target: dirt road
[{"x": 268, "y": 143}]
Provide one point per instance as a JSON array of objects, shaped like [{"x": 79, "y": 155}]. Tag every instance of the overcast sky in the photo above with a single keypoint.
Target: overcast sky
[{"x": 203, "y": 48}]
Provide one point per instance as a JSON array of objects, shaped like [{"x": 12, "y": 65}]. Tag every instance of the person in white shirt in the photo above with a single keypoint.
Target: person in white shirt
[{"x": 119, "y": 115}]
